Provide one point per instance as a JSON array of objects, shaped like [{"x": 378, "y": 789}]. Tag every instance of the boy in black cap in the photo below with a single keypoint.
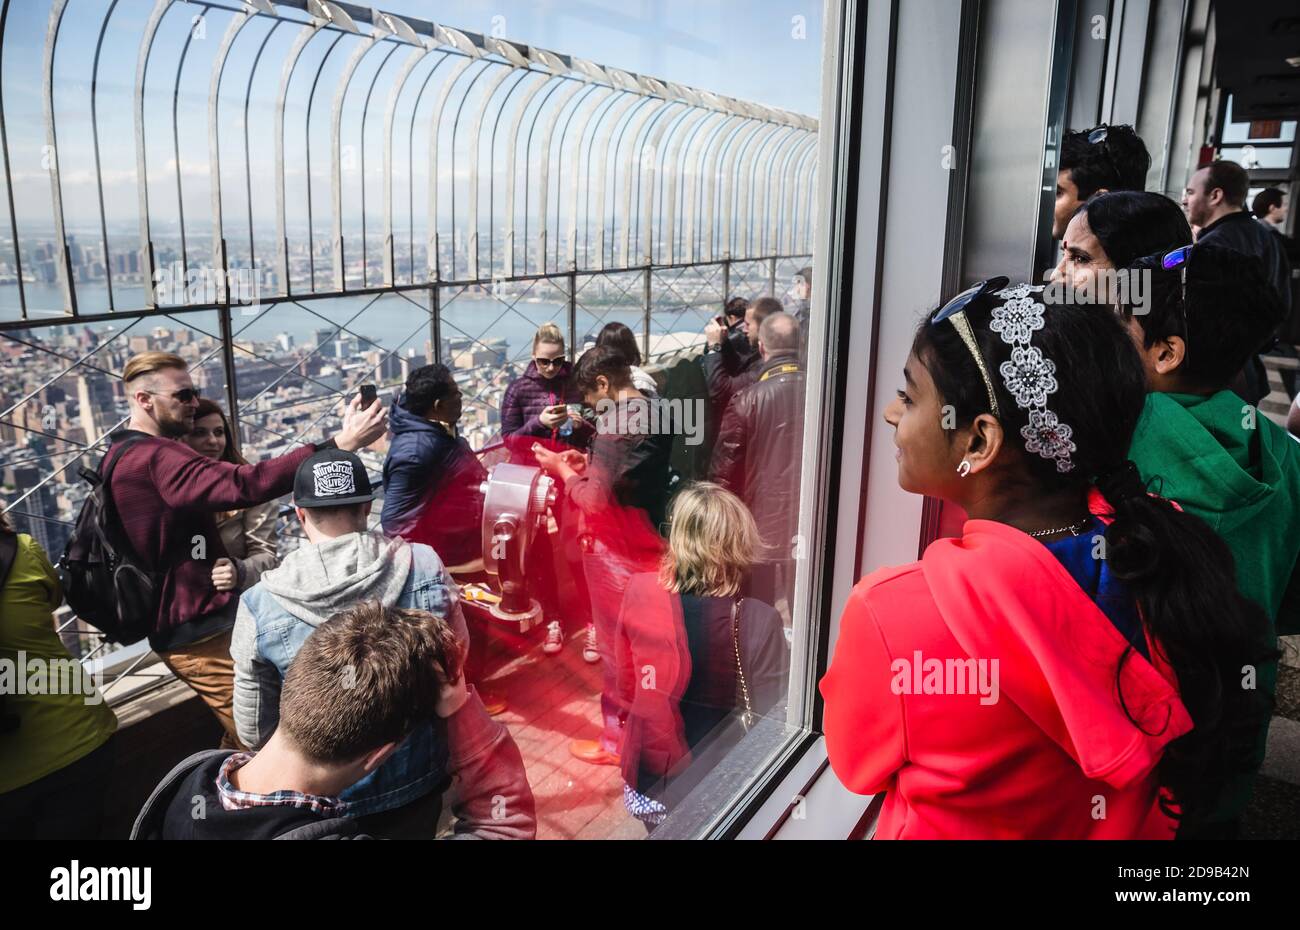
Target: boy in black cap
[{"x": 341, "y": 564}]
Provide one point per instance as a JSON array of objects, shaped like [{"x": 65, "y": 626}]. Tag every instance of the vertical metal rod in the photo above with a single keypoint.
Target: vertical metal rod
[
  {"x": 771, "y": 276},
  {"x": 52, "y": 157},
  {"x": 94, "y": 139},
  {"x": 573, "y": 314},
  {"x": 228, "y": 358},
  {"x": 726, "y": 283},
  {"x": 645, "y": 329},
  {"x": 435, "y": 324},
  {"x": 9, "y": 182}
]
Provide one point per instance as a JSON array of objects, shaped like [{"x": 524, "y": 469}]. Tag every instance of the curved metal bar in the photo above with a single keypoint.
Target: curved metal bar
[
  {"x": 736, "y": 199},
  {"x": 716, "y": 169},
  {"x": 693, "y": 196},
  {"x": 52, "y": 148},
  {"x": 492, "y": 171},
  {"x": 237, "y": 23},
  {"x": 410, "y": 160},
  {"x": 248, "y": 148},
  {"x": 311, "y": 100},
  {"x": 512, "y": 146},
  {"x": 305, "y": 35},
  {"x": 809, "y": 212},
  {"x": 602, "y": 108},
  {"x": 749, "y": 214},
  {"x": 626, "y": 109},
  {"x": 176, "y": 150},
  {"x": 471, "y": 225},
  {"x": 789, "y": 180},
  {"x": 672, "y": 168},
  {"x": 390, "y": 112},
  {"x": 804, "y": 184},
  {"x": 94, "y": 141},
  {"x": 528, "y": 148},
  {"x": 684, "y": 180},
  {"x": 141, "y": 162},
  {"x": 365, "y": 112},
  {"x": 658, "y": 106},
  {"x": 772, "y": 193},
  {"x": 435, "y": 122},
  {"x": 577, "y": 156},
  {"x": 654, "y": 174},
  {"x": 634, "y": 212},
  {"x": 336, "y": 155},
  {"x": 544, "y": 189},
  {"x": 9, "y": 181},
  {"x": 650, "y": 171}
]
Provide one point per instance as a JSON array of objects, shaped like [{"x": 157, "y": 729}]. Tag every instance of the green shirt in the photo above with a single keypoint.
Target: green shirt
[
  {"x": 1223, "y": 461},
  {"x": 54, "y": 729}
]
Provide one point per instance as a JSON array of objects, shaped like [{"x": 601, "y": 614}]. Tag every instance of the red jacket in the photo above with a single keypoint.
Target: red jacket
[{"x": 1053, "y": 757}]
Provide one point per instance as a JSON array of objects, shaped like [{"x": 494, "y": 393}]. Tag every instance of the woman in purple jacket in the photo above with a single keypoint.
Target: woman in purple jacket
[
  {"x": 536, "y": 409},
  {"x": 534, "y": 406}
]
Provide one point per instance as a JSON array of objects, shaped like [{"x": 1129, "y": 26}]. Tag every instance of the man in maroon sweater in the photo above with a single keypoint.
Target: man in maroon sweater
[{"x": 167, "y": 497}]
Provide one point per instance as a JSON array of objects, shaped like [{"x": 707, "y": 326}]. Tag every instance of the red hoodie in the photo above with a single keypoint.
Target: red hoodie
[{"x": 1053, "y": 756}]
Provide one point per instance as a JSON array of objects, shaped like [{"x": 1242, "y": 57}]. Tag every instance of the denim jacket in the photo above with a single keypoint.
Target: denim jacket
[{"x": 268, "y": 634}]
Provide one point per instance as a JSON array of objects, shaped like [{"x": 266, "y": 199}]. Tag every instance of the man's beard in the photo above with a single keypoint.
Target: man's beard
[{"x": 175, "y": 428}]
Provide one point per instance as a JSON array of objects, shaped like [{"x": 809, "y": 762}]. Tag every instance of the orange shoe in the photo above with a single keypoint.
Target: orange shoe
[
  {"x": 493, "y": 703},
  {"x": 590, "y": 750}
]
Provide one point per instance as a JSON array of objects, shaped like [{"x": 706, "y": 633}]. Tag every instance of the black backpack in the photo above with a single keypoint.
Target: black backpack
[{"x": 103, "y": 581}]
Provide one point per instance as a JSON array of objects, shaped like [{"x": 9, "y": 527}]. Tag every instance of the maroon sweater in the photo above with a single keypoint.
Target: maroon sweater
[{"x": 167, "y": 497}]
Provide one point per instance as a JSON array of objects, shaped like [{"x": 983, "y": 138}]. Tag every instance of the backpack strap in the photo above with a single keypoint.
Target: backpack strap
[
  {"x": 148, "y": 825},
  {"x": 8, "y": 554}
]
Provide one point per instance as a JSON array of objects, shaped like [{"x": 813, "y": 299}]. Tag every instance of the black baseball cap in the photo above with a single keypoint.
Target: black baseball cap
[{"x": 331, "y": 478}]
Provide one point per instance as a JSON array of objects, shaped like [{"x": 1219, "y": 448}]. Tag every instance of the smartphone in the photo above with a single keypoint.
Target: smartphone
[
  {"x": 721, "y": 321},
  {"x": 369, "y": 394}
]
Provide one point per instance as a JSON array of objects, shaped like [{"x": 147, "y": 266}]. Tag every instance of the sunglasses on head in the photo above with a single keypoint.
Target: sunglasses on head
[
  {"x": 1168, "y": 261},
  {"x": 954, "y": 311},
  {"x": 1099, "y": 136}
]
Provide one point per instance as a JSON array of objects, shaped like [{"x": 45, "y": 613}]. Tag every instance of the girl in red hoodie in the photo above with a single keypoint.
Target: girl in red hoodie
[{"x": 1077, "y": 663}]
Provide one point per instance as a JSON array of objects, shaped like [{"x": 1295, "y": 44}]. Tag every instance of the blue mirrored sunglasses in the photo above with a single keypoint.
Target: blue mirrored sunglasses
[{"x": 969, "y": 296}]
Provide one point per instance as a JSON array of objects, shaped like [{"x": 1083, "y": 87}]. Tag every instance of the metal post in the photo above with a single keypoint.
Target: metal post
[
  {"x": 435, "y": 325},
  {"x": 726, "y": 283},
  {"x": 645, "y": 330},
  {"x": 228, "y": 354},
  {"x": 771, "y": 276},
  {"x": 573, "y": 314}
]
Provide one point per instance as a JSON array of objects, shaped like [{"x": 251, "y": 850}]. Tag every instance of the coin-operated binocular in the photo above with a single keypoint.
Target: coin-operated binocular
[{"x": 516, "y": 503}]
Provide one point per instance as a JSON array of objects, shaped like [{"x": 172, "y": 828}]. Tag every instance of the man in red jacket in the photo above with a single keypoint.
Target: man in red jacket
[{"x": 167, "y": 496}]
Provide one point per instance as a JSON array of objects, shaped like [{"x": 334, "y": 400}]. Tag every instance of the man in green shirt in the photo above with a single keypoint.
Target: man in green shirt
[{"x": 1202, "y": 445}]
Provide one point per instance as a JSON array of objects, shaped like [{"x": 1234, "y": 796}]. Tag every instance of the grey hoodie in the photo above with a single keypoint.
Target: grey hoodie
[
  {"x": 316, "y": 581},
  {"x": 313, "y": 583}
]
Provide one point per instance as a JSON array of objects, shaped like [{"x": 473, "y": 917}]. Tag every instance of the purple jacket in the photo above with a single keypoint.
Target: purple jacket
[{"x": 521, "y": 408}]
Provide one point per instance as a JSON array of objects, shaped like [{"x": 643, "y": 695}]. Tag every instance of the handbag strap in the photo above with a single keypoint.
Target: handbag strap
[{"x": 747, "y": 718}]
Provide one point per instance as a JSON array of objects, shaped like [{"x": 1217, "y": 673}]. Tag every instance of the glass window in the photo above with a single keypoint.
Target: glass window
[{"x": 600, "y": 224}]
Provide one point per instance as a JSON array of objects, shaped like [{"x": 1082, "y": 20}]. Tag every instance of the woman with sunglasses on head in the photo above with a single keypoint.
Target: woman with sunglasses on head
[
  {"x": 249, "y": 534},
  {"x": 1070, "y": 666},
  {"x": 1110, "y": 232},
  {"x": 542, "y": 406}
]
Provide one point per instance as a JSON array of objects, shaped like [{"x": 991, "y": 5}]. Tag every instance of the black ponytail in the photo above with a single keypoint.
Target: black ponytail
[{"x": 1177, "y": 568}]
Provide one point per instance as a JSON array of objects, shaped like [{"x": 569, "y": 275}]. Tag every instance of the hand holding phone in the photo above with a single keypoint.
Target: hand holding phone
[{"x": 369, "y": 394}]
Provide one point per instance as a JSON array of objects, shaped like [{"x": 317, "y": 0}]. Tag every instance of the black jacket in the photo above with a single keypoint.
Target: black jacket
[
  {"x": 760, "y": 451},
  {"x": 1242, "y": 233},
  {"x": 730, "y": 370}
]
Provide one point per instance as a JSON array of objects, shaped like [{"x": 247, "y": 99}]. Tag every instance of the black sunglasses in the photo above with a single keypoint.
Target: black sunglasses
[
  {"x": 185, "y": 395},
  {"x": 548, "y": 362}
]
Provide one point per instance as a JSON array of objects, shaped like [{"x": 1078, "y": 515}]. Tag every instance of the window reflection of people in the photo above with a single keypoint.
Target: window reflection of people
[
  {"x": 759, "y": 453},
  {"x": 1111, "y": 231},
  {"x": 693, "y": 654},
  {"x": 620, "y": 494},
  {"x": 431, "y": 476},
  {"x": 249, "y": 534}
]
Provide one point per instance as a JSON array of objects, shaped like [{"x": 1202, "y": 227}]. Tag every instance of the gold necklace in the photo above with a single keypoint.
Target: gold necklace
[{"x": 1074, "y": 529}]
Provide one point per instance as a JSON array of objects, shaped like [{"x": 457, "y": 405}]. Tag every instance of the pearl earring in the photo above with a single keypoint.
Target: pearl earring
[{"x": 964, "y": 468}]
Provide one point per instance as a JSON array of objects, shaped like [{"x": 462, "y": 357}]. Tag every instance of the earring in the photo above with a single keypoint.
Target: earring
[{"x": 964, "y": 468}]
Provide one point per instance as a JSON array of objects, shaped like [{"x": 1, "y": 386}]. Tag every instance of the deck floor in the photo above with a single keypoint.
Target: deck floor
[{"x": 553, "y": 700}]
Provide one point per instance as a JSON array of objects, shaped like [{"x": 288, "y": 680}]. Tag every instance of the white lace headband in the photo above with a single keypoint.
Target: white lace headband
[{"x": 1030, "y": 376}]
